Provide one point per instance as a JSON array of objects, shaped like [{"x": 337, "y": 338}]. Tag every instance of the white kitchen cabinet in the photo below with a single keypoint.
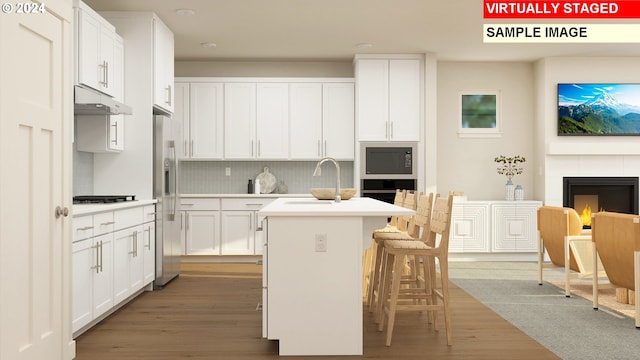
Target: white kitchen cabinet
[
  {"x": 202, "y": 232},
  {"x": 305, "y": 121},
  {"x": 338, "y": 117},
  {"x": 322, "y": 120},
  {"x": 92, "y": 259},
  {"x": 241, "y": 234},
  {"x": 163, "y": 69},
  {"x": 389, "y": 97},
  {"x": 201, "y": 226},
  {"x": 98, "y": 47},
  {"x": 256, "y": 120},
  {"x": 240, "y": 120},
  {"x": 149, "y": 244},
  {"x": 100, "y": 133},
  {"x": 203, "y": 126},
  {"x": 494, "y": 227},
  {"x": 272, "y": 120}
]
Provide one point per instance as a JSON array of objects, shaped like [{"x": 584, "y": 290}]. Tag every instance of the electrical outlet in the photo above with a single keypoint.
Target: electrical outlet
[
  {"x": 321, "y": 242},
  {"x": 227, "y": 171}
]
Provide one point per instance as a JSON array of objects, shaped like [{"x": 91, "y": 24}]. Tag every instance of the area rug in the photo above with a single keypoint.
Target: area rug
[{"x": 606, "y": 295}]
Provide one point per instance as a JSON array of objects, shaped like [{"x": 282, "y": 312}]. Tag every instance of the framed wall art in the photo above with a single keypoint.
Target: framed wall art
[{"x": 479, "y": 114}]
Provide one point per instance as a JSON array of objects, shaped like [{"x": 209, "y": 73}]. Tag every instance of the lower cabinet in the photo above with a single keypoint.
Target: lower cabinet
[
  {"x": 113, "y": 257},
  {"x": 227, "y": 226},
  {"x": 494, "y": 226}
]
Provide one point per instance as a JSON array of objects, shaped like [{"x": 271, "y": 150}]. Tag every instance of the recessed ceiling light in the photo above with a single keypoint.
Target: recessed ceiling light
[
  {"x": 208, "y": 44},
  {"x": 363, "y": 45},
  {"x": 185, "y": 12}
]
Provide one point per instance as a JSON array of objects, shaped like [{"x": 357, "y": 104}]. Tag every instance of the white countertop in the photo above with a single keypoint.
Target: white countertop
[
  {"x": 85, "y": 209},
  {"x": 357, "y": 206},
  {"x": 187, "y": 196}
]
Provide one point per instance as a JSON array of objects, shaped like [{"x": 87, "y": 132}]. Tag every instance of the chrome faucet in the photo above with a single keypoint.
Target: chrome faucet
[{"x": 317, "y": 172}]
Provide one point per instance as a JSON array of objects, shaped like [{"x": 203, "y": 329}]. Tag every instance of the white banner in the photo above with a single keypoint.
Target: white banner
[{"x": 561, "y": 33}]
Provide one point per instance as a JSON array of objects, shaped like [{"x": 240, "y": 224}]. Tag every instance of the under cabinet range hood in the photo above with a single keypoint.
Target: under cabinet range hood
[{"x": 91, "y": 102}]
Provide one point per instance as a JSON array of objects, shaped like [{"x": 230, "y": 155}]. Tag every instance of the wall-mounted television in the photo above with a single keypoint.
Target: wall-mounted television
[{"x": 598, "y": 109}]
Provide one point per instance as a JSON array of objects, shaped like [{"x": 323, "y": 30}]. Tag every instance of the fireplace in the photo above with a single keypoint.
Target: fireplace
[{"x": 588, "y": 195}]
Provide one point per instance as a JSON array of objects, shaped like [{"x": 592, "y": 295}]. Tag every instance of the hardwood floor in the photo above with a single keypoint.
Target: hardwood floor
[{"x": 209, "y": 312}]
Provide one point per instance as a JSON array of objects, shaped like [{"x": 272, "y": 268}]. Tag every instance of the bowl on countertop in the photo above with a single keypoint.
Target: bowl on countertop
[{"x": 330, "y": 193}]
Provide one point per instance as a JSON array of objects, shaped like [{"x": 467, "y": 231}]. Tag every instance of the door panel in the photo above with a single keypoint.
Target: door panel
[{"x": 35, "y": 245}]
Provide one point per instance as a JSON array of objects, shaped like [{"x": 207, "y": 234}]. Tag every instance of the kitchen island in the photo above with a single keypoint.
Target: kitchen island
[{"x": 312, "y": 273}]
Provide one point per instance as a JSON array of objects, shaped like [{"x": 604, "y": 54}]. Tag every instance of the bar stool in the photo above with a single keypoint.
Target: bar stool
[{"x": 433, "y": 245}]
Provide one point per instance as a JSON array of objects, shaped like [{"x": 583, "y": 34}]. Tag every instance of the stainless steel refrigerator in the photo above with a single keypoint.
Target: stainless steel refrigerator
[{"x": 167, "y": 132}]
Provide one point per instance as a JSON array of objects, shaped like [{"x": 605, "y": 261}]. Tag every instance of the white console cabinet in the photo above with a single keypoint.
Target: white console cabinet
[{"x": 494, "y": 227}]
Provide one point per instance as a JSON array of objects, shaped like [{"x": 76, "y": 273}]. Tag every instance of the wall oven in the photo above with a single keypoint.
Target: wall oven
[{"x": 385, "y": 167}]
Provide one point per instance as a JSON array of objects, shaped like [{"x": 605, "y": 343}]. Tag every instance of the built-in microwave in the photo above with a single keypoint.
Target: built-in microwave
[{"x": 388, "y": 160}]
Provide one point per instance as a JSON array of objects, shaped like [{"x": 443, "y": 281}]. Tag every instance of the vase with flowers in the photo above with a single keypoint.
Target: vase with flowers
[{"x": 510, "y": 166}]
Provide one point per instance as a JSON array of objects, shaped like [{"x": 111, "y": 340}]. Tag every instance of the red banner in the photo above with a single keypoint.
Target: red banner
[{"x": 563, "y": 9}]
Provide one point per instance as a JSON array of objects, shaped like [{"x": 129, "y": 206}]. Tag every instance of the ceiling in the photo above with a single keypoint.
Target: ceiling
[{"x": 329, "y": 30}]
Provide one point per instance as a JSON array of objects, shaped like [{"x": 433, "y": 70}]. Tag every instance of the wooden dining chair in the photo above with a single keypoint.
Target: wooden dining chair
[{"x": 432, "y": 246}]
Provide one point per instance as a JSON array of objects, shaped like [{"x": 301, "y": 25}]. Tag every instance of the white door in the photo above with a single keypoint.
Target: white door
[
  {"x": 35, "y": 178},
  {"x": 149, "y": 251},
  {"x": 404, "y": 99},
  {"x": 372, "y": 99}
]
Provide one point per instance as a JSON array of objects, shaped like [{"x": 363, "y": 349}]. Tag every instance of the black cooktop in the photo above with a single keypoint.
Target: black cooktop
[{"x": 102, "y": 199}]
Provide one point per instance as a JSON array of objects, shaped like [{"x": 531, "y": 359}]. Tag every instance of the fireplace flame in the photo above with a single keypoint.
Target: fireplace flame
[{"x": 585, "y": 216}]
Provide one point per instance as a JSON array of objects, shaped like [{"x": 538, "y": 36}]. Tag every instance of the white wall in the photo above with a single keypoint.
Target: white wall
[
  {"x": 466, "y": 164},
  {"x": 580, "y": 155}
]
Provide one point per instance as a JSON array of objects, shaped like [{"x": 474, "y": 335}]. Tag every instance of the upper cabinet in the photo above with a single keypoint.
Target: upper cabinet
[
  {"x": 98, "y": 52},
  {"x": 163, "y": 59},
  {"x": 270, "y": 119},
  {"x": 388, "y": 102},
  {"x": 322, "y": 120}
]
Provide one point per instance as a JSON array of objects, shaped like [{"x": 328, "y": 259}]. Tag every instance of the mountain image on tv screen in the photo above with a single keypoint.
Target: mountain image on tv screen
[{"x": 598, "y": 109}]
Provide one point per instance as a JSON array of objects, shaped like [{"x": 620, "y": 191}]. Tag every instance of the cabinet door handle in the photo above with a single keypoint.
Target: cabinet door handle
[
  {"x": 319, "y": 149},
  {"x": 85, "y": 228},
  {"x": 251, "y": 147},
  {"x": 168, "y": 101},
  {"x": 391, "y": 126},
  {"x": 386, "y": 129},
  {"x": 250, "y": 221},
  {"x": 106, "y": 74},
  {"x": 186, "y": 222},
  {"x": 258, "y": 147},
  {"x": 148, "y": 245},
  {"x": 100, "y": 255},
  {"x": 115, "y": 125},
  {"x": 325, "y": 148},
  {"x": 191, "y": 152},
  {"x": 107, "y": 223},
  {"x": 97, "y": 265}
]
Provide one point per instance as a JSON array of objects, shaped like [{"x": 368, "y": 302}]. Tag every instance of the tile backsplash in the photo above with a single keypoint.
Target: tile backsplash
[{"x": 208, "y": 177}]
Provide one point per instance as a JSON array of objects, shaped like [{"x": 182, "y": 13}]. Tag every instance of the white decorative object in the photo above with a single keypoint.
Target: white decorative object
[
  {"x": 519, "y": 193},
  {"x": 267, "y": 182},
  {"x": 509, "y": 190},
  {"x": 510, "y": 166}
]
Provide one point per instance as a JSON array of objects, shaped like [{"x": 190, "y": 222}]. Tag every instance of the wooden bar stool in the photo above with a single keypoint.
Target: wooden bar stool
[
  {"x": 433, "y": 245},
  {"x": 405, "y": 225}
]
